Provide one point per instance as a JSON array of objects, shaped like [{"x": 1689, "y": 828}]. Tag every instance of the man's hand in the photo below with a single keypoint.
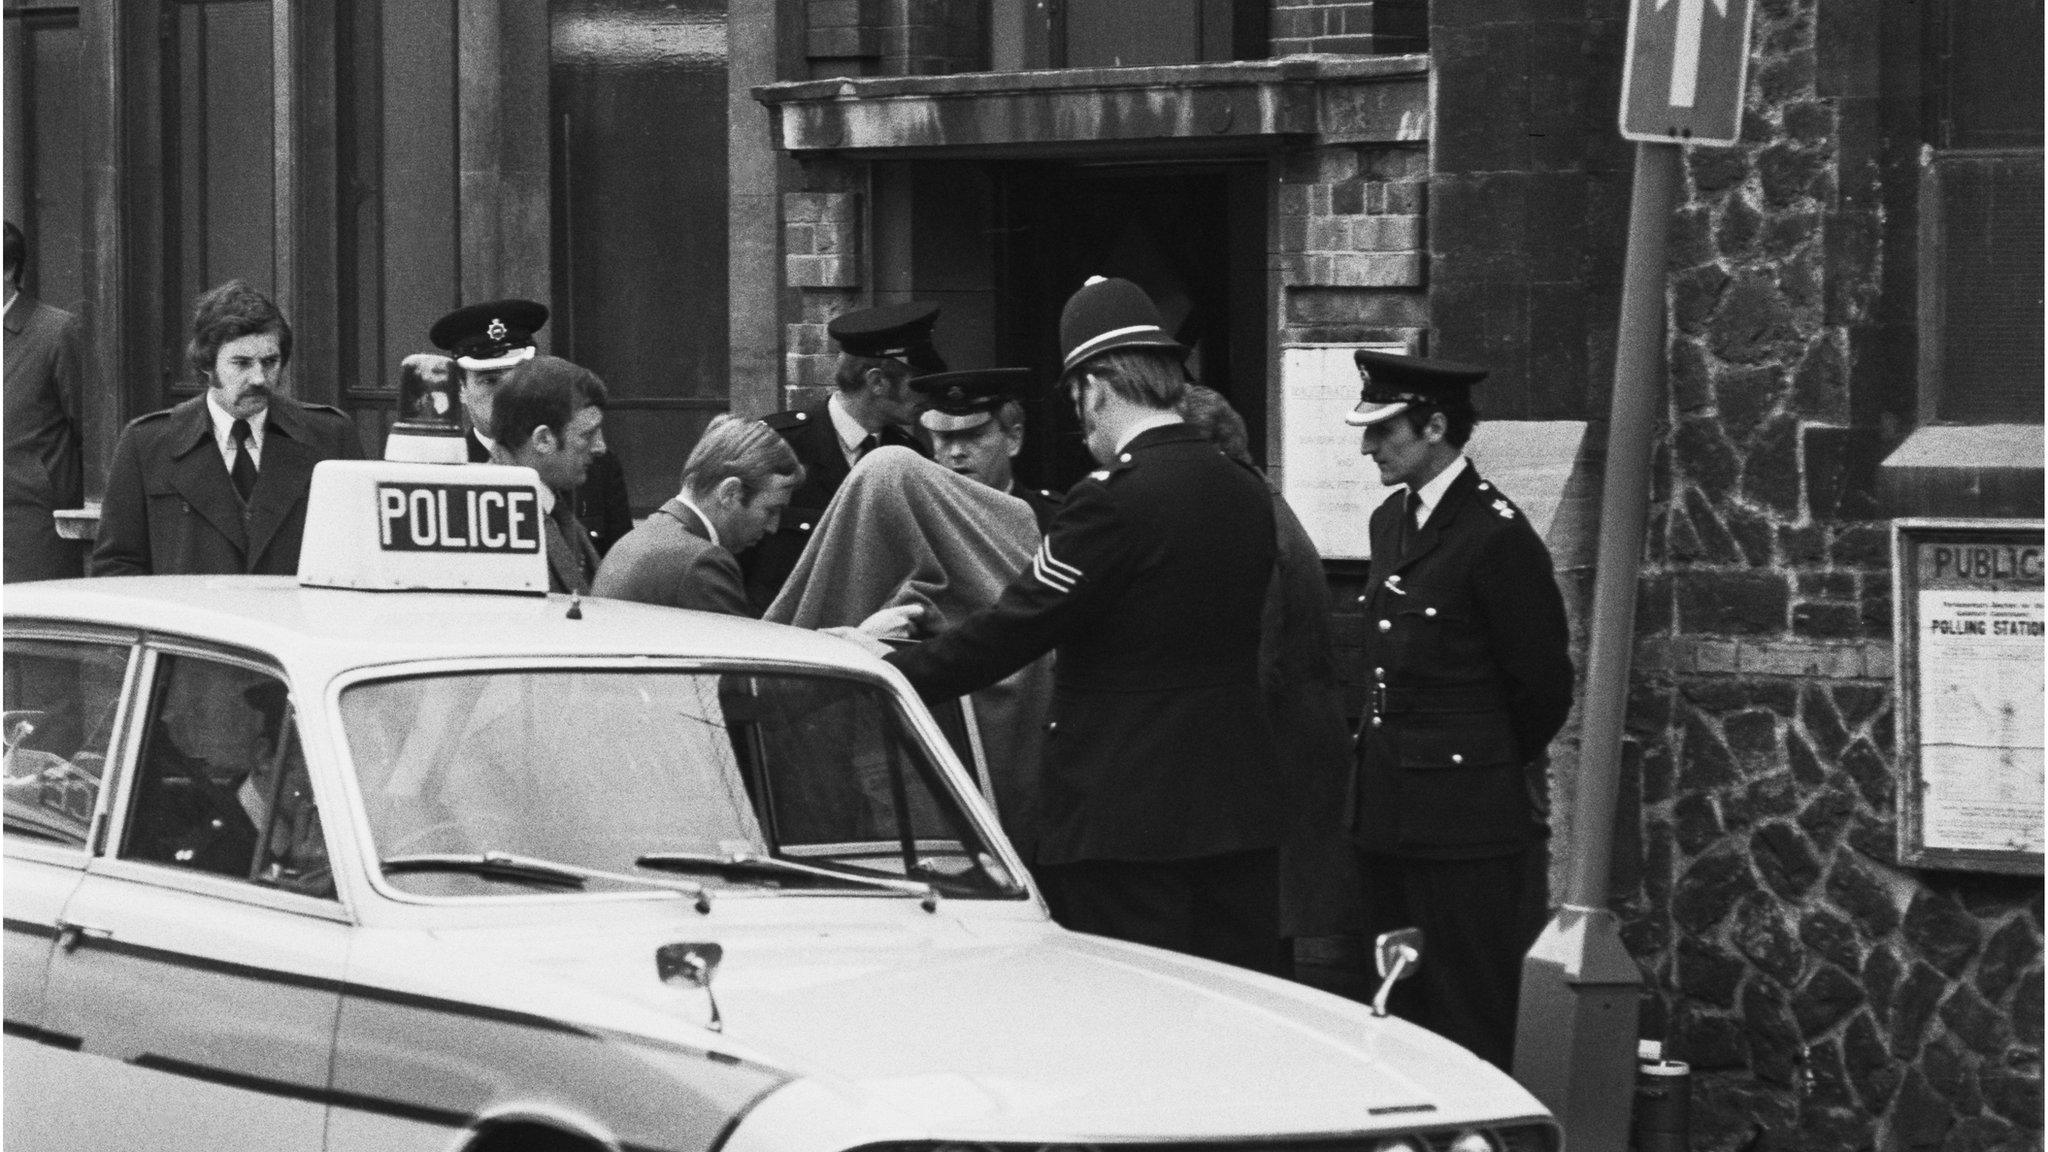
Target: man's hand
[{"x": 897, "y": 622}]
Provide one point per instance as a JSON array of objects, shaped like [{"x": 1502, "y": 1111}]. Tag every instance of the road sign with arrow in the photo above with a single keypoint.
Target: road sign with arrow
[{"x": 1683, "y": 77}]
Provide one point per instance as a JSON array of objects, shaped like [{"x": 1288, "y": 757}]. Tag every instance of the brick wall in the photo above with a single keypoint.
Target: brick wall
[
  {"x": 821, "y": 260},
  {"x": 1349, "y": 244},
  {"x": 1827, "y": 997},
  {"x": 895, "y": 37},
  {"x": 1365, "y": 27}
]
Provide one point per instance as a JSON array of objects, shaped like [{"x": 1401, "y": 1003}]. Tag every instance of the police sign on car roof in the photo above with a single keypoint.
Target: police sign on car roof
[{"x": 384, "y": 526}]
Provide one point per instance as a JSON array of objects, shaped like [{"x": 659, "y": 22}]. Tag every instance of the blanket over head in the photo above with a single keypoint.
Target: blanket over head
[{"x": 904, "y": 530}]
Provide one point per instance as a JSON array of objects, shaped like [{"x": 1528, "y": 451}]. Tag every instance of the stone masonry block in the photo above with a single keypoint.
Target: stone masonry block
[
  {"x": 1387, "y": 233},
  {"x": 1792, "y": 658},
  {"x": 1376, "y": 270},
  {"x": 1403, "y": 197},
  {"x": 799, "y": 239},
  {"x": 802, "y": 207},
  {"x": 821, "y": 271}
]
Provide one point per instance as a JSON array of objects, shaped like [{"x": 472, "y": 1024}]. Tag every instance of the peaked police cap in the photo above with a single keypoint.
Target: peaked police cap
[
  {"x": 494, "y": 334},
  {"x": 1391, "y": 384}
]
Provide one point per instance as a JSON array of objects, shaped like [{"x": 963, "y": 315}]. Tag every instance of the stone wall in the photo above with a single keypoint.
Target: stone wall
[{"x": 1827, "y": 997}]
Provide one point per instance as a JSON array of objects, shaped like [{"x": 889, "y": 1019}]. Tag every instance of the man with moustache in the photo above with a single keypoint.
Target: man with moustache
[
  {"x": 1471, "y": 678},
  {"x": 217, "y": 485},
  {"x": 490, "y": 339},
  {"x": 977, "y": 426},
  {"x": 736, "y": 484},
  {"x": 1159, "y": 802}
]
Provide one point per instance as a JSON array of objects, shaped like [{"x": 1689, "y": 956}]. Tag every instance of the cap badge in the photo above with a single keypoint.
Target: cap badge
[
  {"x": 496, "y": 330},
  {"x": 1501, "y": 506},
  {"x": 956, "y": 394}
]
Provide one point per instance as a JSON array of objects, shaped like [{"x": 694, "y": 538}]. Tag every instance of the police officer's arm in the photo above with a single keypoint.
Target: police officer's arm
[
  {"x": 1081, "y": 566},
  {"x": 1526, "y": 629},
  {"x": 121, "y": 547}
]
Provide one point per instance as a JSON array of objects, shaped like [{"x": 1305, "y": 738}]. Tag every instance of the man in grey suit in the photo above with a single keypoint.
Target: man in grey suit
[{"x": 736, "y": 483}]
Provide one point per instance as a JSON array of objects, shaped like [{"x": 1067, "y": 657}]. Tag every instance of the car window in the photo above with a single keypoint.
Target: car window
[
  {"x": 632, "y": 772},
  {"x": 61, "y": 698},
  {"x": 221, "y": 786}
]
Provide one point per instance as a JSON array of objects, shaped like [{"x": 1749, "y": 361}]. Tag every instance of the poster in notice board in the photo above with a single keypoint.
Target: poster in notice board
[{"x": 1967, "y": 605}]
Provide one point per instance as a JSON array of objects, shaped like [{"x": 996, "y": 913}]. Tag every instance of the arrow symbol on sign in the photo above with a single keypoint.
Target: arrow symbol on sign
[{"x": 1685, "y": 57}]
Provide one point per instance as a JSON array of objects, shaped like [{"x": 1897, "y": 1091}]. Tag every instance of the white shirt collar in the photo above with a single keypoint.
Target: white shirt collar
[
  {"x": 223, "y": 431},
  {"x": 683, "y": 498},
  {"x": 1145, "y": 424},
  {"x": 1432, "y": 493},
  {"x": 849, "y": 429}
]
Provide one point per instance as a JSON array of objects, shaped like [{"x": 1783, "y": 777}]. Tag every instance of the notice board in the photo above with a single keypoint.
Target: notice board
[{"x": 1967, "y": 602}]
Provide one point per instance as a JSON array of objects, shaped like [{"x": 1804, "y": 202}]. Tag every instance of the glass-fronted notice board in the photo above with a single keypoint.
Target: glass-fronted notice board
[{"x": 1968, "y": 619}]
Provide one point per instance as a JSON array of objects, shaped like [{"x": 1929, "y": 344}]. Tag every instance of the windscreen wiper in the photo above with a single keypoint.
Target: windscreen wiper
[
  {"x": 755, "y": 864},
  {"x": 533, "y": 870}
]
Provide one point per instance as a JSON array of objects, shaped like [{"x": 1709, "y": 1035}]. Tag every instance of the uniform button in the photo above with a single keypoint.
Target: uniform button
[
  {"x": 1386, "y": 625},
  {"x": 1052, "y": 726},
  {"x": 803, "y": 415},
  {"x": 1429, "y": 611},
  {"x": 804, "y": 527},
  {"x": 1379, "y": 673},
  {"x": 1457, "y": 758},
  {"x": 1376, "y": 721},
  {"x": 1126, "y": 458},
  {"x": 1361, "y": 599}
]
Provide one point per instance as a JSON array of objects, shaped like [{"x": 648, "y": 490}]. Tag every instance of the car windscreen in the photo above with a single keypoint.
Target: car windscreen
[{"x": 491, "y": 782}]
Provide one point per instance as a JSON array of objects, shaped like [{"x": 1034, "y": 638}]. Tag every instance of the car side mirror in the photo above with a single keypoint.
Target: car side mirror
[
  {"x": 694, "y": 965},
  {"x": 1396, "y": 954}
]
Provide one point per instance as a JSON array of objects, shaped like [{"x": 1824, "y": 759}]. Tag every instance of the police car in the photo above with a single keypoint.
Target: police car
[{"x": 409, "y": 854}]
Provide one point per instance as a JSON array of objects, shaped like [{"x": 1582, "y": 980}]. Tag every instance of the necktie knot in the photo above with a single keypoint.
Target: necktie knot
[
  {"x": 240, "y": 432},
  {"x": 869, "y": 443}
]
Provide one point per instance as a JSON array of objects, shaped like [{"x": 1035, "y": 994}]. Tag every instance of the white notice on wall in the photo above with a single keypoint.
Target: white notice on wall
[
  {"x": 1979, "y": 667},
  {"x": 1328, "y": 484}
]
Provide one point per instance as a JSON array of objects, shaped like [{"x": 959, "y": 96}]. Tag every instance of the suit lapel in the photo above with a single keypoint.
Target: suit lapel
[
  {"x": 570, "y": 555},
  {"x": 690, "y": 521},
  {"x": 284, "y": 479},
  {"x": 198, "y": 475}
]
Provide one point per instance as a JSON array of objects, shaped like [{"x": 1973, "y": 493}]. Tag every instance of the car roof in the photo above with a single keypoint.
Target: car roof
[{"x": 335, "y": 629}]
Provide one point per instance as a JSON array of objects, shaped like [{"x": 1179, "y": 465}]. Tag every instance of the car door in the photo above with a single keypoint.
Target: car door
[
  {"x": 63, "y": 709},
  {"x": 199, "y": 962}
]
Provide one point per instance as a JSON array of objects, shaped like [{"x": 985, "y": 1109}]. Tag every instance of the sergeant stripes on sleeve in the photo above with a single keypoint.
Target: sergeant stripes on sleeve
[{"x": 1055, "y": 574}]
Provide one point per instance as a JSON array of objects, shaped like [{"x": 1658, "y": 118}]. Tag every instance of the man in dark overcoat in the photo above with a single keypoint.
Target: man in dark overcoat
[
  {"x": 45, "y": 370},
  {"x": 871, "y": 405},
  {"x": 1159, "y": 804},
  {"x": 217, "y": 485},
  {"x": 1470, "y": 676},
  {"x": 490, "y": 339}
]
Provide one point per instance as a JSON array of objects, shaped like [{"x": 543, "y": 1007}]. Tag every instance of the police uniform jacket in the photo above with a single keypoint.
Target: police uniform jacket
[
  {"x": 811, "y": 436},
  {"x": 1044, "y": 504},
  {"x": 1470, "y": 678},
  {"x": 170, "y": 508},
  {"x": 1149, "y": 587}
]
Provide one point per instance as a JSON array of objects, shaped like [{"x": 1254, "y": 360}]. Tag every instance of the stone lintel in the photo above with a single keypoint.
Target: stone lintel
[
  {"x": 1801, "y": 659},
  {"x": 1986, "y": 470},
  {"x": 1337, "y": 98}
]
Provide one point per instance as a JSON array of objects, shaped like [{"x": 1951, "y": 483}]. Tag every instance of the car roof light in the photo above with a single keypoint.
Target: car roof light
[{"x": 389, "y": 526}]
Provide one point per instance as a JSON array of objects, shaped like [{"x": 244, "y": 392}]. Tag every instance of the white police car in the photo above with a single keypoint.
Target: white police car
[{"x": 301, "y": 864}]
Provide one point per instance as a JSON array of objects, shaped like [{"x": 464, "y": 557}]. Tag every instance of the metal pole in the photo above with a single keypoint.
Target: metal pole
[{"x": 1576, "y": 1035}]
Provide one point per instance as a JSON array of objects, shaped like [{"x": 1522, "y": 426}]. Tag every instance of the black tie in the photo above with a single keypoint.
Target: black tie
[
  {"x": 244, "y": 471},
  {"x": 1409, "y": 504},
  {"x": 867, "y": 445}
]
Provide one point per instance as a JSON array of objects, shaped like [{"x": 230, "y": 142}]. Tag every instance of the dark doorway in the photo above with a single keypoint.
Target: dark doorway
[
  {"x": 1193, "y": 236},
  {"x": 639, "y": 93}
]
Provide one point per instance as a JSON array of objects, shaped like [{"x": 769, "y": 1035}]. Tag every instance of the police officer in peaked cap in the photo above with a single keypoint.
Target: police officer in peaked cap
[
  {"x": 880, "y": 350},
  {"x": 1466, "y": 654},
  {"x": 490, "y": 339},
  {"x": 976, "y": 420},
  {"x": 1159, "y": 806}
]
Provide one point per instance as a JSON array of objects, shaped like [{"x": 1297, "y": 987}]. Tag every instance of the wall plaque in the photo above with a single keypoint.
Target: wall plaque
[{"x": 1967, "y": 605}]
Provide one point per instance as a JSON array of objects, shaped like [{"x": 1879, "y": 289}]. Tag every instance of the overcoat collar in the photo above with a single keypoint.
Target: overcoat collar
[{"x": 18, "y": 313}]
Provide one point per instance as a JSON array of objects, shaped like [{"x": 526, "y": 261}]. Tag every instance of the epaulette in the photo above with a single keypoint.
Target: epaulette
[
  {"x": 784, "y": 421},
  {"x": 1501, "y": 505}
]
